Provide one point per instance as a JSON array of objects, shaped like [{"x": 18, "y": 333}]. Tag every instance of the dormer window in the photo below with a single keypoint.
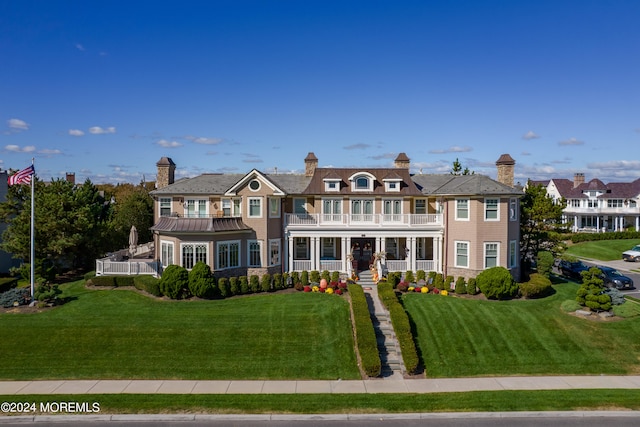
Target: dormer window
[
  {"x": 392, "y": 184},
  {"x": 362, "y": 181},
  {"x": 331, "y": 184}
]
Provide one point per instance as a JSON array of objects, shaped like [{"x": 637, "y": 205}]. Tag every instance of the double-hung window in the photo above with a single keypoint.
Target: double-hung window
[
  {"x": 462, "y": 209},
  {"x": 392, "y": 209},
  {"x": 491, "y": 210},
  {"x": 491, "y": 254},
  {"x": 165, "y": 206},
  {"x": 274, "y": 252},
  {"x": 231, "y": 207},
  {"x": 421, "y": 206},
  {"x": 362, "y": 210},
  {"x": 332, "y": 210},
  {"x": 166, "y": 253},
  {"x": 462, "y": 254},
  {"x": 255, "y": 207}
]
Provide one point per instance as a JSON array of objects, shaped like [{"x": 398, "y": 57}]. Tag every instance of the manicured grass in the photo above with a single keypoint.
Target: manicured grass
[
  {"x": 479, "y": 401},
  {"x": 117, "y": 334},
  {"x": 603, "y": 250},
  {"x": 462, "y": 337}
]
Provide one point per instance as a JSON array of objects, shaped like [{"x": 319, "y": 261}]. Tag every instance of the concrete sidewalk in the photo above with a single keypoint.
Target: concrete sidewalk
[{"x": 88, "y": 387}]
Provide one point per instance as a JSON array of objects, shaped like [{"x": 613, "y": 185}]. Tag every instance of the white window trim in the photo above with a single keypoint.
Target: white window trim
[
  {"x": 196, "y": 201},
  {"x": 277, "y": 202},
  {"x": 370, "y": 180},
  {"x": 415, "y": 206},
  {"x": 260, "y": 250},
  {"x": 468, "y": 218},
  {"x": 484, "y": 258},
  {"x": 279, "y": 244},
  {"x": 249, "y": 199},
  {"x": 229, "y": 243},
  {"x": 296, "y": 200},
  {"x": 160, "y": 206},
  {"x": 329, "y": 181},
  {"x": 388, "y": 182},
  {"x": 252, "y": 181},
  {"x": 231, "y": 201},
  {"x": 194, "y": 244},
  {"x": 497, "y": 218},
  {"x": 455, "y": 253},
  {"x": 172, "y": 252},
  {"x": 332, "y": 246}
]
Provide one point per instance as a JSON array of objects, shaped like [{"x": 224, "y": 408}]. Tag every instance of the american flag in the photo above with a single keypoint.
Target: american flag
[{"x": 22, "y": 177}]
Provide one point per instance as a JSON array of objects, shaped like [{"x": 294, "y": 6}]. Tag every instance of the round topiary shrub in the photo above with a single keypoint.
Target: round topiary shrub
[
  {"x": 538, "y": 286},
  {"x": 201, "y": 281},
  {"x": 497, "y": 283},
  {"x": 174, "y": 282},
  {"x": 461, "y": 287}
]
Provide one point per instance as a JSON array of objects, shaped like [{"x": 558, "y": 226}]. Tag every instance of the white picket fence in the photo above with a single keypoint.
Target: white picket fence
[{"x": 107, "y": 267}]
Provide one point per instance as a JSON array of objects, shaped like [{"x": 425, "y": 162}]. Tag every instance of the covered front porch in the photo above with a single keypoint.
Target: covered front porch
[{"x": 357, "y": 252}]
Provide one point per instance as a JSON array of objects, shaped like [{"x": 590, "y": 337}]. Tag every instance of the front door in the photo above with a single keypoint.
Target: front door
[{"x": 362, "y": 250}]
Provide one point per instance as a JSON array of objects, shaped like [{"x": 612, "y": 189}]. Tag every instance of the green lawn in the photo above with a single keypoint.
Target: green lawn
[
  {"x": 603, "y": 250},
  {"x": 117, "y": 334},
  {"x": 463, "y": 337}
]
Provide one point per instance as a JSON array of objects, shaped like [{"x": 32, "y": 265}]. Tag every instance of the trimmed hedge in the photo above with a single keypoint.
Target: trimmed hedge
[
  {"x": 538, "y": 286},
  {"x": 148, "y": 284},
  {"x": 615, "y": 235},
  {"x": 401, "y": 326},
  {"x": 364, "y": 333}
]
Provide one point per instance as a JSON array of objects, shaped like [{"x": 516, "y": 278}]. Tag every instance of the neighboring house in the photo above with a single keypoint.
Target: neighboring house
[
  {"x": 337, "y": 219},
  {"x": 595, "y": 206}
]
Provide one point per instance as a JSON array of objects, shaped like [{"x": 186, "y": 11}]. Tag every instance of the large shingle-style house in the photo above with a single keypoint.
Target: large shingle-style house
[
  {"x": 337, "y": 219},
  {"x": 595, "y": 206}
]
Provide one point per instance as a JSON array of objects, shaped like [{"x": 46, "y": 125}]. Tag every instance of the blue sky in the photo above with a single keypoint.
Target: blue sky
[{"x": 104, "y": 89}]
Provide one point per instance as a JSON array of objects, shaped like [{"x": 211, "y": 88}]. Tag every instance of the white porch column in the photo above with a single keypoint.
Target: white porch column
[
  {"x": 312, "y": 252},
  {"x": 378, "y": 247},
  {"x": 383, "y": 244},
  {"x": 598, "y": 223},
  {"x": 412, "y": 254},
  {"x": 440, "y": 262},
  {"x": 638, "y": 223},
  {"x": 289, "y": 254},
  {"x": 575, "y": 223},
  {"x": 316, "y": 257},
  {"x": 343, "y": 251}
]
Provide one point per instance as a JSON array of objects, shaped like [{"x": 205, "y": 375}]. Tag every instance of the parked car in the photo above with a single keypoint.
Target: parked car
[
  {"x": 632, "y": 254},
  {"x": 613, "y": 279},
  {"x": 572, "y": 269}
]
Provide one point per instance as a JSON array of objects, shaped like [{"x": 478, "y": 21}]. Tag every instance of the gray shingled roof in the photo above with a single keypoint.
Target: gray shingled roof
[
  {"x": 208, "y": 183},
  {"x": 290, "y": 183},
  {"x": 199, "y": 225},
  {"x": 452, "y": 185}
]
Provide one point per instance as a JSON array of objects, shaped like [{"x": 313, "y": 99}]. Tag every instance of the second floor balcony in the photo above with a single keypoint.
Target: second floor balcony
[{"x": 369, "y": 220}]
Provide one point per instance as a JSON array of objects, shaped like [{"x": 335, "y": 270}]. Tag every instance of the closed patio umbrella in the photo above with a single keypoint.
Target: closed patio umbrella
[{"x": 133, "y": 240}]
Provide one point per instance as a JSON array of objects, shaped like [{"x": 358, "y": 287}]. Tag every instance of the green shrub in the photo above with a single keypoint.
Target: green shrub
[
  {"x": 149, "y": 284},
  {"x": 538, "y": 286},
  {"x": 314, "y": 276},
  {"x": 335, "y": 276},
  {"x": 401, "y": 327},
  {"x": 47, "y": 292},
  {"x": 438, "y": 281},
  {"x": 616, "y": 296},
  {"x": 393, "y": 278},
  {"x": 497, "y": 283},
  {"x": 295, "y": 278},
  {"x": 254, "y": 283},
  {"x": 234, "y": 285},
  {"x": 174, "y": 282},
  {"x": 472, "y": 288},
  {"x": 124, "y": 281},
  {"x": 545, "y": 263},
  {"x": 592, "y": 291},
  {"x": 265, "y": 283},
  {"x": 223, "y": 287},
  {"x": 304, "y": 278},
  {"x": 326, "y": 275},
  {"x": 201, "y": 281},
  {"x": 408, "y": 277},
  {"x": 277, "y": 282},
  {"x": 447, "y": 282},
  {"x": 89, "y": 275},
  {"x": 616, "y": 235},
  {"x": 421, "y": 275},
  {"x": 461, "y": 287},
  {"x": 365, "y": 335},
  {"x": 108, "y": 281},
  {"x": 244, "y": 285}
]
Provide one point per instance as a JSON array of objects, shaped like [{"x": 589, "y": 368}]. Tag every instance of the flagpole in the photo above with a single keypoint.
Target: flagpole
[{"x": 33, "y": 247}]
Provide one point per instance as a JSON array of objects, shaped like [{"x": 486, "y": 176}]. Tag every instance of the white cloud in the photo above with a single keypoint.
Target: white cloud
[
  {"x": 384, "y": 156},
  {"x": 75, "y": 132},
  {"x": 632, "y": 165},
  {"x": 17, "y": 125},
  {"x": 571, "y": 141},
  {"x": 453, "y": 149},
  {"x": 168, "y": 144},
  {"x": 49, "y": 152},
  {"x": 359, "y": 146},
  {"x": 18, "y": 149},
  {"x": 80, "y": 47},
  {"x": 203, "y": 140},
  {"x": 97, "y": 130},
  {"x": 530, "y": 135}
]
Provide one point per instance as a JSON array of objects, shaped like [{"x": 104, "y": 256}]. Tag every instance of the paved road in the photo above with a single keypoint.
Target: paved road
[{"x": 624, "y": 268}]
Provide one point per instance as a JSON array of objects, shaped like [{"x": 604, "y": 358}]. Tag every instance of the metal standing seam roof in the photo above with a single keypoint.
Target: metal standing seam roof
[{"x": 199, "y": 225}]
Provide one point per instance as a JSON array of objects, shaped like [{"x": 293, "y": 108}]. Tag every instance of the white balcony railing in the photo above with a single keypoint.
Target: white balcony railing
[
  {"x": 376, "y": 220},
  {"x": 570, "y": 210}
]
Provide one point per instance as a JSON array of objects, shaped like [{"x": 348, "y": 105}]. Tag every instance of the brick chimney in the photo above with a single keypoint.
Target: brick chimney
[
  {"x": 166, "y": 172},
  {"x": 402, "y": 161},
  {"x": 71, "y": 177},
  {"x": 506, "y": 166},
  {"x": 310, "y": 164},
  {"x": 578, "y": 179}
]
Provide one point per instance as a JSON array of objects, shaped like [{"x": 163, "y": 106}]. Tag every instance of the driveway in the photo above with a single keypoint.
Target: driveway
[{"x": 624, "y": 268}]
